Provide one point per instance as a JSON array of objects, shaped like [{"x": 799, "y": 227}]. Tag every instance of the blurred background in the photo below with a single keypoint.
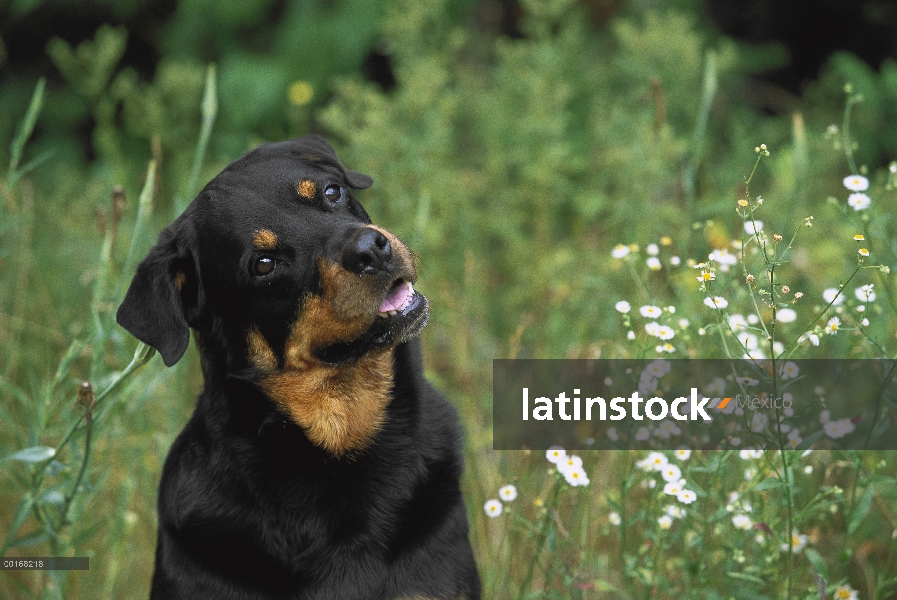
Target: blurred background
[{"x": 513, "y": 144}]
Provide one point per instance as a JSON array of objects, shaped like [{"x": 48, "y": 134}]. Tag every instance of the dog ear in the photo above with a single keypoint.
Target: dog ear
[
  {"x": 317, "y": 143},
  {"x": 358, "y": 181},
  {"x": 153, "y": 309}
]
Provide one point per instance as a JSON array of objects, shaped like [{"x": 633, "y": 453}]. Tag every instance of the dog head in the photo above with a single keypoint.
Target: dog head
[{"x": 282, "y": 275}]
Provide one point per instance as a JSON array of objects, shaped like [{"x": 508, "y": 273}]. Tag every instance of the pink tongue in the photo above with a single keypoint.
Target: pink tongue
[{"x": 396, "y": 298}]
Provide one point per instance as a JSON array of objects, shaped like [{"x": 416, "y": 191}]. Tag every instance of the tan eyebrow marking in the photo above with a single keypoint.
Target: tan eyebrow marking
[
  {"x": 306, "y": 188},
  {"x": 264, "y": 239}
]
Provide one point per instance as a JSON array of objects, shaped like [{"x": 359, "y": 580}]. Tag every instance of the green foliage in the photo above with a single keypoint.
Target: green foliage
[
  {"x": 876, "y": 125},
  {"x": 534, "y": 150}
]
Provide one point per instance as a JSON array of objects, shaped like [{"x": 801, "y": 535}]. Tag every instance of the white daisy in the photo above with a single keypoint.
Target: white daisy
[
  {"x": 716, "y": 302},
  {"x": 864, "y": 293},
  {"x": 838, "y": 429},
  {"x": 555, "y": 454},
  {"x": 845, "y": 592},
  {"x": 750, "y": 454},
  {"x": 789, "y": 370},
  {"x": 683, "y": 454},
  {"x": 576, "y": 477},
  {"x": 798, "y": 542},
  {"x": 859, "y": 201},
  {"x": 786, "y": 315},
  {"x": 493, "y": 508},
  {"x": 856, "y": 183},
  {"x": 737, "y": 322},
  {"x": 619, "y": 251},
  {"x": 671, "y": 472},
  {"x": 748, "y": 340},
  {"x": 650, "y": 312},
  {"x": 752, "y": 227},
  {"x": 665, "y": 332},
  {"x": 570, "y": 462},
  {"x": 622, "y": 306},
  {"x": 831, "y": 294},
  {"x": 742, "y": 522},
  {"x": 507, "y": 493},
  {"x": 686, "y": 496},
  {"x": 832, "y": 326},
  {"x": 657, "y": 461},
  {"x": 672, "y": 488}
]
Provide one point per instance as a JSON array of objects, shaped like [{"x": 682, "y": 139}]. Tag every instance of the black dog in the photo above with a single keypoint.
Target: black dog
[{"x": 319, "y": 463}]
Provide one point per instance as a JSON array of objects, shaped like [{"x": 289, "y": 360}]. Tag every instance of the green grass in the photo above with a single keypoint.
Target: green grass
[{"x": 514, "y": 169}]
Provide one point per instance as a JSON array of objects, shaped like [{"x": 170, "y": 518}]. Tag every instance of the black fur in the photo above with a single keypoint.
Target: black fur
[{"x": 249, "y": 507}]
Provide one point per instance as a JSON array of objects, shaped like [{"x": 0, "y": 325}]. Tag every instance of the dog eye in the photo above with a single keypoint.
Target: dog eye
[
  {"x": 264, "y": 265},
  {"x": 333, "y": 193}
]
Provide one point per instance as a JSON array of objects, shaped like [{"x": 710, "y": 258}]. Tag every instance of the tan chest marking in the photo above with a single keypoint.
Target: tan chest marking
[{"x": 340, "y": 408}]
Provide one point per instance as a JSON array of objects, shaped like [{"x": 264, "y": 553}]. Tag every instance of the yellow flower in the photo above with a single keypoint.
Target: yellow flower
[
  {"x": 859, "y": 237},
  {"x": 863, "y": 252},
  {"x": 300, "y": 93}
]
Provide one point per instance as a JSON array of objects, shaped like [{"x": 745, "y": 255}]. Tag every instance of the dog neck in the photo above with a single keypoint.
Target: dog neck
[{"x": 339, "y": 407}]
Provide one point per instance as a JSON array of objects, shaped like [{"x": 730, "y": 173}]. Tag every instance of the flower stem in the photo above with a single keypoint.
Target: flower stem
[{"x": 543, "y": 537}]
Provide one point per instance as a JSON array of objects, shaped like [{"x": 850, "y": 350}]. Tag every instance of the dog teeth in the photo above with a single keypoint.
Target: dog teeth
[
  {"x": 392, "y": 312},
  {"x": 410, "y": 296},
  {"x": 382, "y": 315}
]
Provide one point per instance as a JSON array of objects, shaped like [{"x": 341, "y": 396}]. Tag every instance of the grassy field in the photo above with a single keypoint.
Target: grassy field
[{"x": 543, "y": 181}]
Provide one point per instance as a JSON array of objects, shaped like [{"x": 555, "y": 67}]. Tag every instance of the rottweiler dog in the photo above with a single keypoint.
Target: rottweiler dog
[{"x": 318, "y": 463}]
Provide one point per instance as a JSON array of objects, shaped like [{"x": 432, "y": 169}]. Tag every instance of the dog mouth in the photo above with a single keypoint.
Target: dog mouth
[
  {"x": 401, "y": 315},
  {"x": 398, "y": 298}
]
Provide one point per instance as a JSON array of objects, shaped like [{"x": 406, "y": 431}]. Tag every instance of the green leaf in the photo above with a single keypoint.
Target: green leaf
[
  {"x": 817, "y": 561},
  {"x": 31, "y": 539},
  {"x": 809, "y": 440},
  {"x": 605, "y": 586},
  {"x": 35, "y": 454},
  {"x": 770, "y": 483},
  {"x": 68, "y": 358},
  {"x": 22, "y": 513},
  {"x": 861, "y": 510},
  {"x": 746, "y": 577},
  {"x": 26, "y": 127}
]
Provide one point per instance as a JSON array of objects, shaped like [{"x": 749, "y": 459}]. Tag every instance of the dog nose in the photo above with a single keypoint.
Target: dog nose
[{"x": 367, "y": 252}]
